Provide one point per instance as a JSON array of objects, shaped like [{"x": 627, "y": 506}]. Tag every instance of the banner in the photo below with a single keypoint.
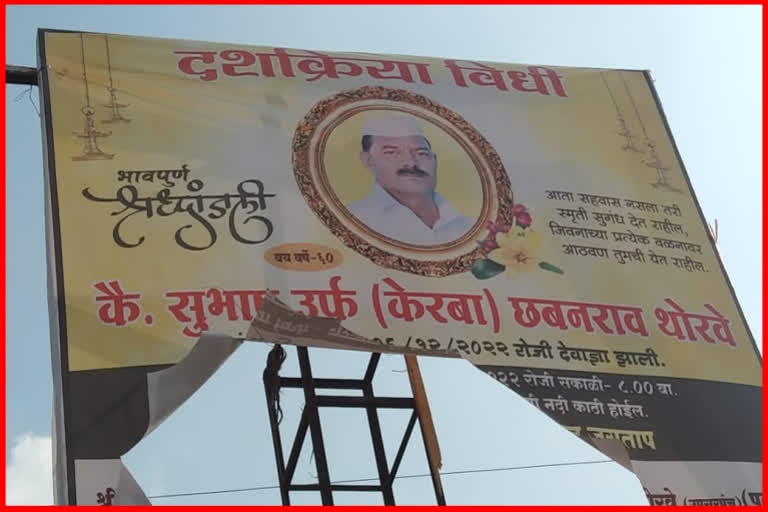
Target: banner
[{"x": 534, "y": 220}]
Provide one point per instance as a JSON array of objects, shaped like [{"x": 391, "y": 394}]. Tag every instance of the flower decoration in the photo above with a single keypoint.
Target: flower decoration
[{"x": 511, "y": 248}]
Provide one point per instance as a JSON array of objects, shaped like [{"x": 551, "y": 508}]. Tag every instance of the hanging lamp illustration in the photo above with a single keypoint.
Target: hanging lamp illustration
[
  {"x": 114, "y": 105},
  {"x": 629, "y": 142},
  {"x": 654, "y": 161},
  {"x": 90, "y": 134}
]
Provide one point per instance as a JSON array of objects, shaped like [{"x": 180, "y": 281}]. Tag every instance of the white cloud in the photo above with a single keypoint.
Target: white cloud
[{"x": 29, "y": 478}]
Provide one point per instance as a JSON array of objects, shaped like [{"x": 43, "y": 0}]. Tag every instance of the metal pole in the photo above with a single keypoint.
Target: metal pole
[
  {"x": 375, "y": 427},
  {"x": 426, "y": 425},
  {"x": 403, "y": 446},
  {"x": 20, "y": 75},
  {"x": 436, "y": 483},
  {"x": 313, "y": 417},
  {"x": 278, "y": 446}
]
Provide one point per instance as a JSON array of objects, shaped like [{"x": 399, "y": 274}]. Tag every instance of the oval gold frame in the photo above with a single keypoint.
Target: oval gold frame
[{"x": 308, "y": 147}]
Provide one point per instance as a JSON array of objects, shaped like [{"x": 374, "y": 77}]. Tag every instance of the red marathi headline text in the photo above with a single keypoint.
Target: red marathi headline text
[
  {"x": 210, "y": 65},
  {"x": 393, "y": 303}
]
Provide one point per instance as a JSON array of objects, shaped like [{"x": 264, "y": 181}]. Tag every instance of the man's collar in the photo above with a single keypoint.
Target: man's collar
[
  {"x": 379, "y": 194},
  {"x": 447, "y": 211}
]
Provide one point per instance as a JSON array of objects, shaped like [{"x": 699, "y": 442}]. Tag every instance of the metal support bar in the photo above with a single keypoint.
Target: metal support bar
[
  {"x": 372, "y": 365},
  {"x": 20, "y": 75},
  {"x": 403, "y": 445},
  {"x": 364, "y": 401},
  {"x": 310, "y": 409},
  {"x": 435, "y": 476},
  {"x": 293, "y": 382},
  {"x": 277, "y": 445},
  {"x": 298, "y": 441},
  {"x": 336, "y": 487},
  {"x": 378, "y": 442}
]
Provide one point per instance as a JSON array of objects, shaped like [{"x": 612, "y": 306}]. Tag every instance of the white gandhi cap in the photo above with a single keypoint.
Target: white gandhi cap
[{"x": 392, "y": 126}]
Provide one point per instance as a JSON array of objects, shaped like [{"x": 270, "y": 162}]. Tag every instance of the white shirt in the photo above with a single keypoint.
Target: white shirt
[{"x": 384, "y": 214}]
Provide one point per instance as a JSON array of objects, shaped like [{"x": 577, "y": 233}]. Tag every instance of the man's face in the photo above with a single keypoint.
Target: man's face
[{"x": 402, "y": 165}]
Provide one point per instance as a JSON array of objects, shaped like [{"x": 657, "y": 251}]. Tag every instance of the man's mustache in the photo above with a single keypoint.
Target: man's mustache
[{"x": 411, "y": 171}]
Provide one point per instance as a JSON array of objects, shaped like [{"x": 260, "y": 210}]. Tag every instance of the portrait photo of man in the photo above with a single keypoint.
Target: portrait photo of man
[{"x": 403, "y": 203}]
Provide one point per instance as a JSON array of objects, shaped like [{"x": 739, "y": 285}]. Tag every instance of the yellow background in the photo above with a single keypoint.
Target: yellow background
[{"x": 238, "y": 128}]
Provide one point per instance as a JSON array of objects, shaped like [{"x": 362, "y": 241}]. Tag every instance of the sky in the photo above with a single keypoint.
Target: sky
[{"x": 706, "y": 63}]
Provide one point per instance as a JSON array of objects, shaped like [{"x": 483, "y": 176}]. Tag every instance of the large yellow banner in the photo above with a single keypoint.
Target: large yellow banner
[
  {"x": 534, "y": 220},
  {"x": 515, "y": 215}
]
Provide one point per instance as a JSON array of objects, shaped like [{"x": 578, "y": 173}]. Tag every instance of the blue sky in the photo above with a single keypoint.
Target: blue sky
[{"x": 706, "y": 62}]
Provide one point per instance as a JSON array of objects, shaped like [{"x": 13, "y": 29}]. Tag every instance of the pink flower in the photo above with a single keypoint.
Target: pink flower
[
  {"x": 519, "y": 208},
  {"x": 490, "y": 244},
  {"x": 523, "y": 219},
  {"x": 497, "y": 227}
]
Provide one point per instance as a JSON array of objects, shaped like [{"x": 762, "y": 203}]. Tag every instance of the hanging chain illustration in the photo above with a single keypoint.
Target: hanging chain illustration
[
  {"x": 629, "y": 143},
  {"x": 90, "y": 134},
  {"x": 114, "y": 105},
  {"x": 654, "y": 162}
]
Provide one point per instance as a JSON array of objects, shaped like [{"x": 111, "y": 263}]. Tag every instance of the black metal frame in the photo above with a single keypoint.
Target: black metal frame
[{"x": 310, "y": 420}]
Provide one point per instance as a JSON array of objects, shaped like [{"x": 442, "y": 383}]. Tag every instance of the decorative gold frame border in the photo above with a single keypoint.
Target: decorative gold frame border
[{"x": 302, "y": 153}]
